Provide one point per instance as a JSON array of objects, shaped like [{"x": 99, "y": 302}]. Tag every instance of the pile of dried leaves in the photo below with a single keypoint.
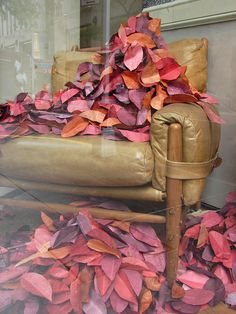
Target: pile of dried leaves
[
  {"x": 78, "y": 264},
  {"x": 128, "y": 81}
]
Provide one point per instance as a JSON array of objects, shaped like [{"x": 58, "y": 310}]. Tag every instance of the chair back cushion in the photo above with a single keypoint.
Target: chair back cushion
[{"x": 192, "y": 52}]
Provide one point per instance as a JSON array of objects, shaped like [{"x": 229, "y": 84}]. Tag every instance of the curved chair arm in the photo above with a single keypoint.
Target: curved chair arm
[{"x": 201, "y": 140}]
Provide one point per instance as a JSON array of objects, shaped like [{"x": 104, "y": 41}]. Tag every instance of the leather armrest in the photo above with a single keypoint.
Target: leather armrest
[{"x": 201, "y": 140}]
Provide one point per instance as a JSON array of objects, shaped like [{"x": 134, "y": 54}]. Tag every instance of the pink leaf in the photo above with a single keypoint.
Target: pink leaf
[
  {"x": 157, "y": 260},
  {"x": 197, "y": 296},
  {"x": 135, "y": 279},
  {"x": 126, "y": 116},
  {"x": 211, "y": 219},
  {"x": 212, "y": 116},
  {"x": 118, "y": 304},
  {"x": 101, "y": 235},
  {"x": 222, "y": 274},
  {"x": 37, "y": 285},
  {"x": 5, "y": 299},
  {"x": 110, "y": 265},
  {"x": 95, "y": 305},
  {"x": 122, "y": 34},
  {"x": 193, "y": 279},
  {"x": 135, "y": 136},
  {"x": 133, "y": 56},
  {"x": 75, "y": 299},
  {"x": 91, "y": 130},
  {"x": 231, "y": 298},
  {"x": 77, "y": 105},
  {"x": 68, "y": 94},
  {"x": 132, "y": 23},
  {"x": 134, "y": 264},
  {"x": 40, "y": 128}
]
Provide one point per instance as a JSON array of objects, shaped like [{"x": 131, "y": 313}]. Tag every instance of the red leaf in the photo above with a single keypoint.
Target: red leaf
[
  {"x": 59, "y": 298},
  {"x": 118, "y": 304},
  {"x": 101, "y": 281},
  {"x": 193, "y": 232},
  {"x": 126, "y": 116},
  {"x": 64, "y": 308},
  {"x": 122, "y": 34},
  {"x": 157, "y": 260},
  {"x": 16, "y": 109},
  {"x": 123, "y": 287},
  {"x": 58, "y": 270},
  {"x": 68, "y": 94},
  {"x": 75, "y": 299},
  {"x": 133, "y": 56},
  {"x": 37, "y": 285},
  {"x": 169, "y": 69},
  {"x": 203, "y": 237},
  {"x": 102, "y": 236},
  {"x": 222, "y": 274},
  {"x": 177, "y": 291},
  {"x": 179, "y": 98},
  {"x": 219, "y": 245},
  {"x": 86, "y": 281},
  {"x": 58, "y": 286},
  {"x": 110, "y": 265},
  {"x": 132, "y": 23},
  {"x": 197, "y": 296},
  {"x": 211, "y": 219}
]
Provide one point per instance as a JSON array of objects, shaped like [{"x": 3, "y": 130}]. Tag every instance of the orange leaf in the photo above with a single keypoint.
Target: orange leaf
[
  {"x": 74, "y": 126},
  {"x": 142, "y": 39},
  {"x": 155, "y": 26},
  {"x": 147, "y": 98},
  {"x": 152, "y": 283},
  {"x": 130, "y": 79},
  {"x": 150, "y": 74},
  {"x": 203, "y": 236},
  {"x": 100, "y": 246},
  {"x": 122, "y": 225},
  {"x": 59, "y": 253},
  {"x": 123, "y": 287},
  {"x": 177, "y": 292},
  {"x": 48, "y": 222},
  {"x": 93, "y": 115},
  {"x": 145, "y": 300},
  {"x": 110, "y": 122},
  {"x": 97, "y": 58},
  {"x": 158, "y": 101},
  {"x": 106, "y": 71}
]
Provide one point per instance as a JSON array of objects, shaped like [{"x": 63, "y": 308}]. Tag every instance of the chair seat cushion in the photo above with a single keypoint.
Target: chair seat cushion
[{"x": 83, "y": 160}]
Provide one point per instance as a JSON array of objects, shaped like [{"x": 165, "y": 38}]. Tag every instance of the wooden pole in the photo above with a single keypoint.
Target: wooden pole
[
  {"x": 174, "y": 203},
  {"x": 96, "y": 212}
]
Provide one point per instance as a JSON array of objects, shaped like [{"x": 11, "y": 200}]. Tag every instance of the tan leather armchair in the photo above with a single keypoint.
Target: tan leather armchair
[{"x": 173, "y": 166}]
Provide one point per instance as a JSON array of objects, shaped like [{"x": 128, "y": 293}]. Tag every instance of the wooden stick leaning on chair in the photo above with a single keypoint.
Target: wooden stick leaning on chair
[{"x": 174, "y": 203}]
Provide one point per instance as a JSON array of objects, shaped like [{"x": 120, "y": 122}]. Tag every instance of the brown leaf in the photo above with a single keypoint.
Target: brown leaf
[
  {"x": 100, "y": 246},
  {"x": 131, "y": 79},
  {"x": 110, "y": 122},
  {"x": 203, "y": 236},
  {"x": 145, "y": 300},
  {"x": 122, "y": 225},
  {"x": 177, "y": 292},
  {"x": 74, "y": 126},
  {"x": 48, "y": 222},
  {"x": 143, "y": 39},
  {"x": 152, "y": 283}
]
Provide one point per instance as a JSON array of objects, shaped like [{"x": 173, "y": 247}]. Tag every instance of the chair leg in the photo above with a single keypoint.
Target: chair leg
[{"x": 174, "y": 204}]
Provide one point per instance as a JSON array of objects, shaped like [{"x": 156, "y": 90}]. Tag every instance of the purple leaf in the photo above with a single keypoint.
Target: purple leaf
[
  {"x": 40, "y": 128},
  {"x": 146, "y": 234},
  {"x": 231, "y": 298},
  {"x": 181, "y": 307},
  {"x": 110, "y": 265},
  {"x": 197, "y": 296},
  {"x": 142, "y": 116},
  {"x": 5, "y": 299},
  {"x": 217, "y": 287},
  {"x": 157, "y": 260},
  {"x": 31, "y": 307},
  {"x": 95, "y": 305},
  {"x": 136, "y": 96},
  {"x": 82, "y": 69},
  {"x": 64, "y": 235},
  {"x": 127, "y": 116}
]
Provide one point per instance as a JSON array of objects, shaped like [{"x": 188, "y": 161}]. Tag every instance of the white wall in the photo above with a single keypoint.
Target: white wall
[{"x": 182, "y": 21}]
